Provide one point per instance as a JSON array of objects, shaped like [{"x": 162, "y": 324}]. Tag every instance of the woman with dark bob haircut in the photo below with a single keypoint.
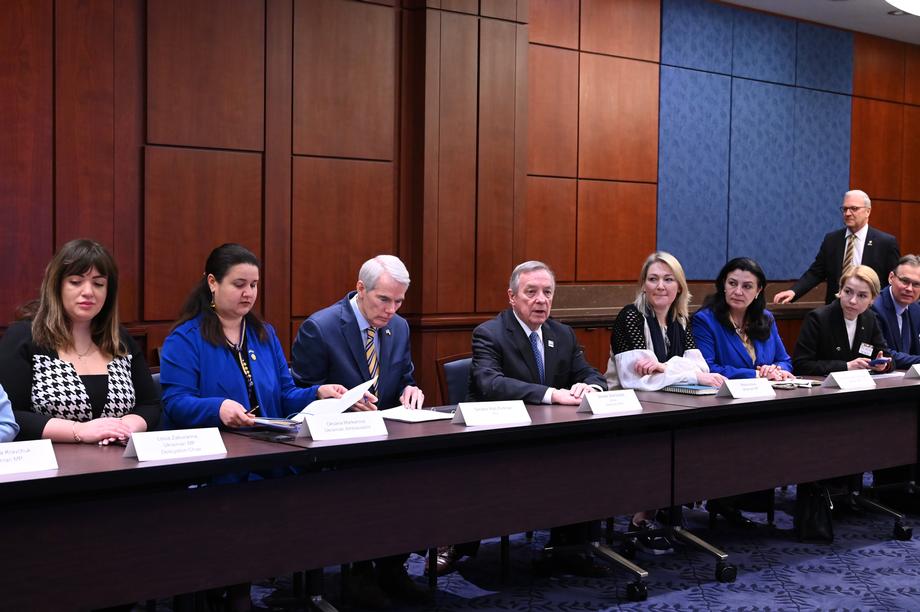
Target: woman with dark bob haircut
[
  {"x": 738, "y": 338},
  {"x": 221, "y": 366},
  {"x": 73, "y": 374}
]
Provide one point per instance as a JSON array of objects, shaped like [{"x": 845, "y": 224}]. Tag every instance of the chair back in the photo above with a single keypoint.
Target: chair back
[
  {"x": 156, "y": 381},
  {"x": 454, "y": 377}
]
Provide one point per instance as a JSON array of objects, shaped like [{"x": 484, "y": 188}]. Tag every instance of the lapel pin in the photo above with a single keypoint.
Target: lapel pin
[
  {"x": 869, "y": 243},
  {"x": 252, "y": 354},
  {"x": 387, "y": 331},
  {"x": 838, "y": 349},
  {"x": 551, "y": 344}
]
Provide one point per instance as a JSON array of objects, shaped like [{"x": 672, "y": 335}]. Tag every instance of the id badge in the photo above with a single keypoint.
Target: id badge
[{"x": 865, "y": 349}]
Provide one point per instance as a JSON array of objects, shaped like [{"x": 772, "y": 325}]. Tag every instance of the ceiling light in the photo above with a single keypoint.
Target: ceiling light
[{"x": 908, "y": 6}]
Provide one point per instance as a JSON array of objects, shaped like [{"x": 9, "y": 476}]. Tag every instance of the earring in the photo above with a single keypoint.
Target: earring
[{"x": 213, "y": 305}]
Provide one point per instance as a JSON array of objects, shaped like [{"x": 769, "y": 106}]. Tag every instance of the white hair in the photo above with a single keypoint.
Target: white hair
[
  {"x": 373, "y": 268},
  {"x": 528, "y": 266},
  {"x": 858, "y": 193}
]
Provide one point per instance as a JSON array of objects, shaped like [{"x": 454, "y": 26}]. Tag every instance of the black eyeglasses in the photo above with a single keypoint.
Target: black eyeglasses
[{"x": 852, "y": 209}]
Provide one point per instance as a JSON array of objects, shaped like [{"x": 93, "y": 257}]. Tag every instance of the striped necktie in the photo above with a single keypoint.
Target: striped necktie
[
  {"x": 850, "y": 253},
  {"x": 370, "y": 352}
]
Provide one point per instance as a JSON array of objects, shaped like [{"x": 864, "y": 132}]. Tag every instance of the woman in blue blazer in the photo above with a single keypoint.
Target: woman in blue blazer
[
  {"x": 221, "y": 365},
  {"x": 738, "y": 338},
  {"x": 735, "y": 332}
]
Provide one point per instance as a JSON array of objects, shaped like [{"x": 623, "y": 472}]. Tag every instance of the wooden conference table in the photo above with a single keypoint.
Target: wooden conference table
[{"x": 104, "y": 530}]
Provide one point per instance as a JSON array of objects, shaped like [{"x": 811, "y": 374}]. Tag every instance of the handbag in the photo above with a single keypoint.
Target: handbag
[{"x": 813, "y": 518}]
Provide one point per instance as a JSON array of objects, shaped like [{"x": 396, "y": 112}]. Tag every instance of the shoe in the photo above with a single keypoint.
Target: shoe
[
  {"x": 581, "y": 564},
  {"x": 731, "y": 514},
  {"x": 653, "y": 543},
  {"x": 398, "y": 585},
  {"x": 445, "y": 561},
  {"x": 363, "y": 590}
]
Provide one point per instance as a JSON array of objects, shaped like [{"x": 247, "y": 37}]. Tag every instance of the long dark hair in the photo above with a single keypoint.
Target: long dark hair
[
  {"x": 757, "y": 323},
  {"x": 199, "y": 300},
  {"x": 50, "y": 324}
]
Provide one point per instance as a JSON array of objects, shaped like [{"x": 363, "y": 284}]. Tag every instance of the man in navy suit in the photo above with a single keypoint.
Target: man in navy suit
[
  {"x": 871, "y": 247},
  {"x": 898, "y": 313},
  {"x": 349, "y": 342}
]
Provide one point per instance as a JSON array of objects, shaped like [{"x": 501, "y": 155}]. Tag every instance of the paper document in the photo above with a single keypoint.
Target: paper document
[
  {"x": 333, "y": 405},
  {"x": 410, "y": 415}
]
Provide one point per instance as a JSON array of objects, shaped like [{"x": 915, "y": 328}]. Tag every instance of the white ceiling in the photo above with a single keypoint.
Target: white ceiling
[{"x": 870, "y": 16}]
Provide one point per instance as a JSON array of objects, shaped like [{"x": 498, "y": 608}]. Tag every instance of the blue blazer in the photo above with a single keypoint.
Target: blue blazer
[
  {"x": 197, "y": 377},
  {"x": 329, "y": 349},
  {"x": 904, "y": 356},
  {"x": 725, "y": 353}
]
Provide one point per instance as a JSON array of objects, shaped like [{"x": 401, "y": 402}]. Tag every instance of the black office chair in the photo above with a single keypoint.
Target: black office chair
[{"x": 454, "y": 377}]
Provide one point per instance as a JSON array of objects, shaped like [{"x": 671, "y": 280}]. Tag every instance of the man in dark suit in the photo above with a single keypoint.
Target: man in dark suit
[
  {"x": 524, "y": 355},
  {"x": 350, "y": 342},
  {"x": 899, "y": 314},
  {"x": 867, "y": 246}
]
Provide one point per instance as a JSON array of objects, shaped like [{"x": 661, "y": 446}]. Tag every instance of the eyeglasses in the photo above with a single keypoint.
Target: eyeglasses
[
  {"x": 851, "y": 209},
  {"x": 906, "y": 281}
]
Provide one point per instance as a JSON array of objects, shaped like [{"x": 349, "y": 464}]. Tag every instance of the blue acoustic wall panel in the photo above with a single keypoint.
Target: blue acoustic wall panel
[
  {"x": 693, "y": 133},
  {"x": 696, "y": 34},
  {"x": 762, "y": 128},
  {"x": 764, "y": 47},
  {"x": 822, "y": 171},
  {"x": 824, "y": 58}
]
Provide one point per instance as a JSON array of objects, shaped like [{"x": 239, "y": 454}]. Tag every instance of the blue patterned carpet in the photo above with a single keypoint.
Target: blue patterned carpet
[{"x": 864, "y": 569}]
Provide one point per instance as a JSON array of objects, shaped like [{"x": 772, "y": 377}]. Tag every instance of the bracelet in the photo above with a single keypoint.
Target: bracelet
[{"x": 76, "y": 438}]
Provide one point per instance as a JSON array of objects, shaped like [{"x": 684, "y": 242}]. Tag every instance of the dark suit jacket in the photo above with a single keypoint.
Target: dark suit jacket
[
  {"x": 504, "y": 367},
  {"x": 881, "y": 253},
  {"x": 904, "y": 356},
  {"x": 329, "y": 349},
  {"x": 822, "y": 347}
]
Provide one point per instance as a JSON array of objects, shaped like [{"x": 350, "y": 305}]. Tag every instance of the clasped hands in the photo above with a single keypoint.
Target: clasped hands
[
  {"x": 646, "y": 366},
  {"x": 773, "y": 372}
]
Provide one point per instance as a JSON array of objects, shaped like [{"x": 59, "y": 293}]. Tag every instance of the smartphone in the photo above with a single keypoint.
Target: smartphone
[{"x": 879, "y": 361}]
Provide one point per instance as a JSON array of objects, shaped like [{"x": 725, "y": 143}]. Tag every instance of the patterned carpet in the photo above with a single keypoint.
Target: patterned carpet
[{"x": 864, "y": 569}]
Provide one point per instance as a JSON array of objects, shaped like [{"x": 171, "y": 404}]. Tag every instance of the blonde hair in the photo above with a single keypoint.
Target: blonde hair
[
  {"x": 863, "y": 273},
  {"x": 51, "y": 326},
  {"x": 680, "y": 307}
]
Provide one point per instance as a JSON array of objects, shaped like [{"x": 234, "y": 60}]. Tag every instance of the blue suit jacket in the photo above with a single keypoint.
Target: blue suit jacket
[
  {"x": 904, "y": 356},
  {"x": 725, "y": 353},
  {"x": 329, "y": 349},
  {"x": 197, "y": 377}
]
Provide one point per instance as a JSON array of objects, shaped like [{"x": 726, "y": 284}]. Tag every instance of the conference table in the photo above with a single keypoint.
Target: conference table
[{"x": 104, "y": 530}]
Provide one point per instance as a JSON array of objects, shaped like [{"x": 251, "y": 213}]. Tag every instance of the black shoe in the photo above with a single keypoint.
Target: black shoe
[
  {"x": 397, "y": 584},
  {"x": 731, "y": 514},
  {"x": 653, "y": 543},
  {"x": 445, "y": 561},
  {"x": 363, "y": 590},
  {"x": 580, "y": 564}
]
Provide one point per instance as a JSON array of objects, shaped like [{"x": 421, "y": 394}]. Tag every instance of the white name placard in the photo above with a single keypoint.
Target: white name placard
[
  {"x": 610, "y": 402},
  {"x": 849, "y": 379},
  {"x": 175, "y": 444},
  {"x": 913, "y": 372},
  {"x": 342, "y": 426},
  {"x": 746, "y": 388},
  {"x": 492, "y": 413},
  {"x": 28, "y": 456}
]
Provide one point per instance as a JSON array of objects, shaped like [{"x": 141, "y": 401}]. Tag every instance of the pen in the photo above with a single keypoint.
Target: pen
[{"x": 252, "y": 410}]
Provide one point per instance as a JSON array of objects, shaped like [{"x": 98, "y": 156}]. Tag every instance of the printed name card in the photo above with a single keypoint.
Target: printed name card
[
  {"x": 611, "y": 402},
  {"x": 29, "y": 456},
  {"x": 913, "y": 372},
  {"x": 492, "y": 413},
  {"x": 342, "y": 426},
  {"x": 175, "y": 444},
  {"x": 849, "y": 379},
  {"x": 746, "y": 388}
]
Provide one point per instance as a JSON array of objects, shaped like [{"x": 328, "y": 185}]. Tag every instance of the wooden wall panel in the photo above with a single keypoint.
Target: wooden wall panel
[
  {"x": 459, "y": 6},
  {"x": 276, "y": 271},
  {"x": 456, "y": 163},
  {"x": 886, "y": 216},
  {"x": 344, "y": 213},
  {"x": 618, "y": 119},
  {"x": 912, "y": 74},
  {"x": 554, "y": 22},
  {"x": 26, "y": 145},
  {"x": 595, "y": 341},
  {"x": 84, "y": 117},
  {"x": 616, "y": 229},
  {"x": 194, "y": 201},
  {"x": 909, "y": 239},
  {"x": 910, "y": 162},
  {"x": 499, "y": 9},
  {"x": 205, "y": 73},
  {"x": 128, "y": 82},
  {"x": 344, "y": 79},
  {"x": 628, "y": 28},
  {"x": 875, "y": 150},
  {"x": 878, "y": 67},
  {"x": 497, "y": 128},
  {"x": 552, "y": 127},
  {"x": 546, "y": 230}
]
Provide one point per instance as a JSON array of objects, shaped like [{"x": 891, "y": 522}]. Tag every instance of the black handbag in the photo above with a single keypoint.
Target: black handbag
[{"x": 813, "y": 518}]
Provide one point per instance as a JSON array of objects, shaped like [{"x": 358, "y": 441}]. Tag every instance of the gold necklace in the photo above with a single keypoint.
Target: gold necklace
[{"x": 92, "y": 347}]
